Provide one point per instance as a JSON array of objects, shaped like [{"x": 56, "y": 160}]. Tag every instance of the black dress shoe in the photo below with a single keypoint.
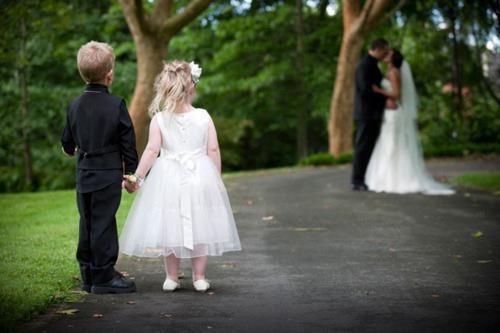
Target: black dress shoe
[
  {"x": 118, "y": 285},
  {"x": 359, "y": 187},
  {"x": 86, "y": 287}
]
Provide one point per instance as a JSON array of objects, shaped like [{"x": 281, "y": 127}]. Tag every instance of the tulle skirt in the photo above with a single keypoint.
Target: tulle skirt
[
  {"x": 396, "y": 164},
  {"x": 182, "y": 212}
]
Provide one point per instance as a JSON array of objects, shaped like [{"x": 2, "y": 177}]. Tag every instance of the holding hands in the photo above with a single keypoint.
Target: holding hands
[{"x": 132, "y": 183}]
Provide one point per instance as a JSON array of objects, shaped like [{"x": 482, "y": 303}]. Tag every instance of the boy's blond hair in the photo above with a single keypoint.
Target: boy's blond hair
[{"x": 95, "y": 60}]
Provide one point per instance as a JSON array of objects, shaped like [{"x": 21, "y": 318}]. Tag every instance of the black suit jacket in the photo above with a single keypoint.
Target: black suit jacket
[
  {"x": 369, "y": 105},
  {"x": 100, "y": 132}
]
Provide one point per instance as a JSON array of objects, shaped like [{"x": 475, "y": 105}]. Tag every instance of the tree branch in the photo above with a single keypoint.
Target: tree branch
[
  {"x": 379, "y": 11},
  {"x": 175, "y": 23},
  {"x": 135, "y": 16},
  {"x": 161, "y": 12},
  {"x": 366, "y": 12},
  {"x": 350, "y": 11}
]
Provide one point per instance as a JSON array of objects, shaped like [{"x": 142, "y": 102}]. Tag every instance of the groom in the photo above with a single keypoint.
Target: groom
[{"x": 369, "y": 108}]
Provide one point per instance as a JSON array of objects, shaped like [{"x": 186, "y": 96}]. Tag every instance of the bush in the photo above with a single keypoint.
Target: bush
[
  {"x": 326, "y": 159},
  {"x": 458, "y": 150}
]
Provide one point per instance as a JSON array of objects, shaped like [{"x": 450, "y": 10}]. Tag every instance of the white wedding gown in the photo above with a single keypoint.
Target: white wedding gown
[
  {"x": 397, "y": 164},
  {"x": 183, "y": 207}
]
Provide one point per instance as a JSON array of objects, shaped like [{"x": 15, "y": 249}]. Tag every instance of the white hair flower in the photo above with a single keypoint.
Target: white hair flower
[{"x": 195, "y": 71}]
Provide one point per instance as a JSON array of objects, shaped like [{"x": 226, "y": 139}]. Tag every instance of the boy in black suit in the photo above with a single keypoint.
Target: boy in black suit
[{"x": 100, "y": 132}]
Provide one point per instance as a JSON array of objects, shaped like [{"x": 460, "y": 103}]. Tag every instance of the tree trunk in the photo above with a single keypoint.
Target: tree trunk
[
  {"x": 342, "y": 104},
  {"x": 152, "y": 31},
  {"x": 150, "y": 56},
  {"x": 457, "y": 77},
  {"x": 23, "y": 88},
  {"x": 358, "y": 20},
  {"x": 302, "y": 98}
]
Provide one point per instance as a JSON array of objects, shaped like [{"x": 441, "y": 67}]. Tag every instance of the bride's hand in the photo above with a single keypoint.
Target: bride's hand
[
  {"x": 377, "y": 89},
  {"x": 391, "y": 104}
]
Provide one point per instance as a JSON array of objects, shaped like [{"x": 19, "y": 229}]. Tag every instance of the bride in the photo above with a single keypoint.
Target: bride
[{"x": 397, "y": 164}]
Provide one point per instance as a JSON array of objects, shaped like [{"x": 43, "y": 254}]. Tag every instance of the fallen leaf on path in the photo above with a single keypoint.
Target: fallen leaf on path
[
  {"x": 435, "y": 295},
  {"x": 125, "y": 274},
  {"x": 210, "y": 293},
  {"x": 302, "y": 229},
  {"x": 456, "y": 256},
  {"x": 167, "y": 315},
  {"x": 68, "y": 312},
  {"x": 130, "y": 302},
  {"x": 267, "y": 218},
  {"x": 250, "y": 202},
  {"x": 392, "y": 249},
  {"x": 484, "y": 261},
  {"x": 97, "y": 315},
  {"x": 228, "y": 265},
  {"x": 477, "y": 234}
]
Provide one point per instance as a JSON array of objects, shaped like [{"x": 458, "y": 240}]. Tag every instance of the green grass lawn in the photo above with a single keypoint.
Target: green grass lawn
[
  {"x": 489, "y": 181},
  {"x": 38, "y": 237}
]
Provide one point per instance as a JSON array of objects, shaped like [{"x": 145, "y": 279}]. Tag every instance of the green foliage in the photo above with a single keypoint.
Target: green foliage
[
  {"x": 38, "y": 237},
  {"x": 457, "y": 150},
  {"x": 250, "y": 83},
  {"x": 326, "y": 159},
  {"x": 489, "y": 181}
]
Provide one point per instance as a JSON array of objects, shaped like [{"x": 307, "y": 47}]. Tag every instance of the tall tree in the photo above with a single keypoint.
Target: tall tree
[
  {"x": 22, "y": 73},
  {"x": 152, "y": 32},
  {"x": 358, "y": 20},
  {"x": 302, "y": 98}
]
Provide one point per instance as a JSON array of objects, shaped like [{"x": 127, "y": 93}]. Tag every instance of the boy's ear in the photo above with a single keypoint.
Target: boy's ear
[{"x": 109, "y": 75}]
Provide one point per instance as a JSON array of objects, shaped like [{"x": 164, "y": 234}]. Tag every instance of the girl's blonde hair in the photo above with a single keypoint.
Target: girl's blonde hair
[{"x": 173, "y": 87}]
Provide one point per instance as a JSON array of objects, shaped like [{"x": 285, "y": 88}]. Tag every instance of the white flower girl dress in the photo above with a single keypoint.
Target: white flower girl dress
[{"x": 183, "y": 207}]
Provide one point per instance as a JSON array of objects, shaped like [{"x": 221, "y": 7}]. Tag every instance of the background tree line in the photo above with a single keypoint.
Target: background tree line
[{"x": 269, "y": 69}]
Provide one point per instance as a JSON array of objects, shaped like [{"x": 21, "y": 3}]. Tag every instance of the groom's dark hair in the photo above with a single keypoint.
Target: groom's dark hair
[{"x": 379, "y": 43}]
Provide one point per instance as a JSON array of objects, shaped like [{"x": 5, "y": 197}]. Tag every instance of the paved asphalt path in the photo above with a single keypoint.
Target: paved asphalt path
[{"x": 320, "y": 258}]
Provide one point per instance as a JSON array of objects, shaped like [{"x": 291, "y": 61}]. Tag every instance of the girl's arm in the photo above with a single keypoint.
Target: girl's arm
[
  {"x": 152, "y": 149},
  {"x": 213, "y": 150}
]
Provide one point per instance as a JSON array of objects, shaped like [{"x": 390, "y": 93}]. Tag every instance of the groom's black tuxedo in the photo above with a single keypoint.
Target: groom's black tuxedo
[
  {"x": 369, "y": 109},
  {"x": 99, "y": 130}
]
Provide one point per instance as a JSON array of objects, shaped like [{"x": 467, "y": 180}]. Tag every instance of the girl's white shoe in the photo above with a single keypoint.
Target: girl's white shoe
[
  {"x": 170, "y": 285},
  {"x": 201, "y": 285}
]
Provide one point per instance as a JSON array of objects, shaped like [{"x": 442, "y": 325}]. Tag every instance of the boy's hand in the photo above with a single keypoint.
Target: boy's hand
[
  {"x": 130, "y": 183},
  {"x": 131, "y": 188}
]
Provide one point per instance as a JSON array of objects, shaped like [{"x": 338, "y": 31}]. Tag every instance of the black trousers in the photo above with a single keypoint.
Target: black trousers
[
  {"x": 98, "y": 240},
  {"x": 367, "y": 132}
]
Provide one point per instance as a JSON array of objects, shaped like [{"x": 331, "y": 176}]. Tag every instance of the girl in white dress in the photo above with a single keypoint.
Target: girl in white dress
[
  {"x": 397, "y": 164},
  {"x": 181, "y": 209}
]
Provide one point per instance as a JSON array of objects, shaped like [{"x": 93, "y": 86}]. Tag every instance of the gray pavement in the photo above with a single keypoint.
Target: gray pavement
[{"x": 325, "y": 259}]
